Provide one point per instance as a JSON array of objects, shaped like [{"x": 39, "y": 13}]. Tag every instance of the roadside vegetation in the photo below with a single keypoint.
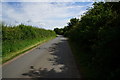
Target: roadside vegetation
[
  {"x": 95, "y": 41},
  {"x": 18, "y": 39}
]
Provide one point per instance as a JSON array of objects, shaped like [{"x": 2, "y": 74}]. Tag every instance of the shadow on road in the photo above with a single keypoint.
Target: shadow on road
[{"x": 62, "y": 62}]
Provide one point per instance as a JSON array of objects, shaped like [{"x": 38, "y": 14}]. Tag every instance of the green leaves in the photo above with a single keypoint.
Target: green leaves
[
  {"x": 97, "y": 33},
  {"x": 14, "y": 37}
]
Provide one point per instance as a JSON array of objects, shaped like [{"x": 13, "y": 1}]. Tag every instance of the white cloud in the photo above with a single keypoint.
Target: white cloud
[
  {"x": 41, "y": 14},
  {"x": 60, "y": 0},
  {"x": 48, "y": 0}
]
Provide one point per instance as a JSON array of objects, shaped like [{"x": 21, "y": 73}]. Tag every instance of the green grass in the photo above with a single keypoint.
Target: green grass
[
  {"x": 83, "y": 63},
  {"x": 13, "y": 49},
  {"x": 21, "y": 38}
]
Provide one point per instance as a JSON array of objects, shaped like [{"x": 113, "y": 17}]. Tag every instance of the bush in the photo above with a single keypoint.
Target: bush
[
  {"x": 97, "y": 33},
  {"x": 18, "y": 37}
]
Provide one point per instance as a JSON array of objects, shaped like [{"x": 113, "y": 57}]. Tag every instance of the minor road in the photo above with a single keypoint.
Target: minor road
[{"x": 53, "y": 59}]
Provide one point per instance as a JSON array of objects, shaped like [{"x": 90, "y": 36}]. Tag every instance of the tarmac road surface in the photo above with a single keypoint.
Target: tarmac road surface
[{"x": 53, "y": 59}]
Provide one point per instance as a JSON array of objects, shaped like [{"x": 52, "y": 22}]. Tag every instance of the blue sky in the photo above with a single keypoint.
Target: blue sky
[{"x": 46, "y": 15}]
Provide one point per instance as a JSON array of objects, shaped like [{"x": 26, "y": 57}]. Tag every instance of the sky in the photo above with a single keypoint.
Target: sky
[{"x": 48, "y": 15}]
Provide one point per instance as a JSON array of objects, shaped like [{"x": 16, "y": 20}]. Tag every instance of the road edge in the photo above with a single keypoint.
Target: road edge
[{"x": 26, "y": 51}]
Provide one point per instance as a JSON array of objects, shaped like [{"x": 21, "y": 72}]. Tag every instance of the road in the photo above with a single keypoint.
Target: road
[{"x": 53, "y": 59}]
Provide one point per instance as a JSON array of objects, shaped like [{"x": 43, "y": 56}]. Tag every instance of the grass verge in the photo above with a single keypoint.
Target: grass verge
[
  {"x": 82, "y": 60},
  {"x": 22, "y": 47}
]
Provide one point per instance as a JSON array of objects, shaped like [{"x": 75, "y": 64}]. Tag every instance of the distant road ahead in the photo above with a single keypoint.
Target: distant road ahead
[{"x": 53, "y": 59}]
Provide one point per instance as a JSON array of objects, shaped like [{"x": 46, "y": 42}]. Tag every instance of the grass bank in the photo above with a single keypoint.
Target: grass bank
[
  {"x": 83, "y": 62},
  {"x": 22, "y": 46},
  {"x": 19, "y": 39}
]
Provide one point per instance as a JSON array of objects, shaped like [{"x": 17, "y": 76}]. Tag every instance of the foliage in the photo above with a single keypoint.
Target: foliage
[
  {"x": 97, "y": 34},
  {"x": 58, "y": 31},
  {"x": 15, "y": 38}
]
